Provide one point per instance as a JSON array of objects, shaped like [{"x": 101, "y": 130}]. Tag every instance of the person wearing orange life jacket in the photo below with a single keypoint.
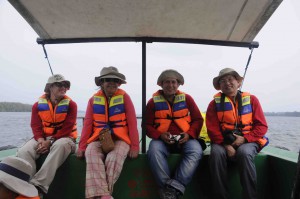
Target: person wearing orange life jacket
[
  {"x": 109, "y": 108},
  {"x": 14, "y": 179},
  {"x": 236, "y": 126},
  {"x": 53, "y": 123},
  {"x": 170, "y": 113}
]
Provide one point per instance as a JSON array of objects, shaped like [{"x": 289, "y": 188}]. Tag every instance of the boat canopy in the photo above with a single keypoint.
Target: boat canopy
[
  {"x": 211, "y": 22},
  {"x": 216, "y": 22}
]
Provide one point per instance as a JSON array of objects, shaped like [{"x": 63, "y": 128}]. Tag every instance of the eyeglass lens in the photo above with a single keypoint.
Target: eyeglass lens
[
  {"x": 112, "y": 80},
  {"x": 60, "y": 84}
]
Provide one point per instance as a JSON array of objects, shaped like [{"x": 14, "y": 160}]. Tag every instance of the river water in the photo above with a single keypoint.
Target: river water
[{"x": 284, "y": 132}]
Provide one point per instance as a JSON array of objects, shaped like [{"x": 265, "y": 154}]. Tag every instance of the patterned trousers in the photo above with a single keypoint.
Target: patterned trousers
[{"x": 102, "y": 171}]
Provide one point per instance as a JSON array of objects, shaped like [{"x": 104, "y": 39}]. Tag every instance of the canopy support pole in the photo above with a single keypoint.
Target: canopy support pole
[
  {"x": 46, "y": 56},
  {"x": 246, "y": 68},
  {"x": 143, "y": 96}
]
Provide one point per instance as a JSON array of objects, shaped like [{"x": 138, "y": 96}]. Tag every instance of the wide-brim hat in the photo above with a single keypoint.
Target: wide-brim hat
[
  {"x": 15, "y": 174},
  {"x": 56, "y": 78},
  {"x": 170, "y": 73},
  {"x": 110, "y": 72},
  {"x": 224, "y": 72}
]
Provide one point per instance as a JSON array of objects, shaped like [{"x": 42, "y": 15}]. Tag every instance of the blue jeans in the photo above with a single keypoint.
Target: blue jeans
[
  {"x": 245, "y": 155},
  {"x": 158, "y": 153}
]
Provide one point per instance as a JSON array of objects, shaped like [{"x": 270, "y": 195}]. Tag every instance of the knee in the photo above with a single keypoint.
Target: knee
[
  {"x": 90, "y": 147},
  {"x": 155, "y": 148},
  {"x": 243, "y": 155},
  {"x": 59, "y": 144},
  {"x": 22, "y": 153},
  {"x": 194, "y": 149},
  {"x": 218, "y": 152}
]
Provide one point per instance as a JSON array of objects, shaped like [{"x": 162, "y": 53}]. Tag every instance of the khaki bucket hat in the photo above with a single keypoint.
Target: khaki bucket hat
[
  {"x": 170, "y": 73},
  {"x": 222, "y": 73},
  {"x": 15, "y": 174},
  {"x": 56, "y": 78},
  {"x": 110, "y": 72}
]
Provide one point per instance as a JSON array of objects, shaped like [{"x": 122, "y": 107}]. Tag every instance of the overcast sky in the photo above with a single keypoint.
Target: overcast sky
[{"x": 273, "y": 74}]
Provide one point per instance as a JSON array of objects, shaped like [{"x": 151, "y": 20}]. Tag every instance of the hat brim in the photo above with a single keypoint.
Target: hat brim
[
  {"x": 17, "y": 185},
  {"x": 98, "y": 82},
  {"x": 217, "y": 79},
  {"x": 48, "y": 85}
]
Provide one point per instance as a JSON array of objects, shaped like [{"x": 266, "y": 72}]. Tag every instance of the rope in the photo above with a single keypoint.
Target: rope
[
  {"x": 249, "y": 58},
  {"x": 46, "y": 56}
]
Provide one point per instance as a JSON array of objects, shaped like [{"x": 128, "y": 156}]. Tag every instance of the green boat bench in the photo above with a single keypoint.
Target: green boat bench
[{"x": 136, "y": 180}]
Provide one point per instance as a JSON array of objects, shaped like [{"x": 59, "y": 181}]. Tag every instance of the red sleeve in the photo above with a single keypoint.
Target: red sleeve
[
  {"x": 87, "y": 128},
  {"x": 69, "y": 122},
  {"x": 213, "y": 124},
  {"x": 36, "y": 123},
  {"x": 197, "y": 119},
  {"x": 196, "y": 123},
  {"x": 260, "y": 126},
  {"x": 132, "y": 123},
  {"x": 149, "y": 120}
]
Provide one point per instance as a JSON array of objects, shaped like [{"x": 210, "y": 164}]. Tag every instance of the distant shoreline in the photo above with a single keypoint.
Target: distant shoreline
[{"x": 19, "y": 107}]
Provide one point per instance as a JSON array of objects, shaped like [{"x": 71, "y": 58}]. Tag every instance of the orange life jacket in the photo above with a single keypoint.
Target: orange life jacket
[
  {"x": 110, "y": 115},
  {"x": 24, "y": 197},
  {"x": 236, "y": 116},
  {"x": 164, "y": 114},
  {"x": 53, "y": 119}
]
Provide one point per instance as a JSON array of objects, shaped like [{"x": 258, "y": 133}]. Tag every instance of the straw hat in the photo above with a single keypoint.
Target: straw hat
[
  {"x": 56, "y": 78},
  {"x": 14, "y": 175},
  {"x": 222, "y": 73},
  {"x": 110, "y": 72},
  {"x": 170, "y": 74}
]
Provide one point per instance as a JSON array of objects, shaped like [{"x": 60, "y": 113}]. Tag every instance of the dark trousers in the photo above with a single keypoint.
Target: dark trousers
[{"x": 244, "y": 158}]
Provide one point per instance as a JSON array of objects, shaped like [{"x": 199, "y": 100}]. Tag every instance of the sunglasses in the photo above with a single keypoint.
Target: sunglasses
[
  {"x": 61, "y": 84},
  {"x": 111, "y": 80}
]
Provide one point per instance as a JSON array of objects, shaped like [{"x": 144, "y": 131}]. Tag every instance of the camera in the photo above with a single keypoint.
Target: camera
[
  {"x": 228, "y": 136},
  {"x": 176, "y": 138}
]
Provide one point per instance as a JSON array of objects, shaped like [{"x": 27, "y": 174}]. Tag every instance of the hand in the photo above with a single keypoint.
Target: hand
[
  {"x": 230, "y": 151},
  {"x": 133, "y": 154},
  {"x": 166, "y": 138},
  {"x": 239, "y": 140},
  {"x": 80, "y": 153},
  {"x": 185, "y": 138},
  {"x": 43, "y": 146}
]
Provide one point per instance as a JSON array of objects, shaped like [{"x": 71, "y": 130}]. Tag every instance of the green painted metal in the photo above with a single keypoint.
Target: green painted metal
[
  {"x": 276, "y": 171},
  {"x": 8, "y": 152}
]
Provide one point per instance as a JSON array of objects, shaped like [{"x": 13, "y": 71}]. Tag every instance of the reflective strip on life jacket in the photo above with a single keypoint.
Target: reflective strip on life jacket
[{"x": 164, "y": 114}]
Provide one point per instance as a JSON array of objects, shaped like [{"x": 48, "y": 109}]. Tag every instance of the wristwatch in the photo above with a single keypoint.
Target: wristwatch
[{"x": 52, "y": 140}]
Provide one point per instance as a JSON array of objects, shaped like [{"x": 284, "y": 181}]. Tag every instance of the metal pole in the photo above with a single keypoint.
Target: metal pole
[{"x": 143, "y": 95}]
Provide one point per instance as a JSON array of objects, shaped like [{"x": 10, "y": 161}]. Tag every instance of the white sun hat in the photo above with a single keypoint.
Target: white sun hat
[{"x": 15, "y": 174}]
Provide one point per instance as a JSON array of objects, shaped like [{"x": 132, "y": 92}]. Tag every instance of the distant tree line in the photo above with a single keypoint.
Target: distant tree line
[
  {"x": 14, "y": 107},
  {"x": 19, "y": 107},
  {"x": 287, "y": 114}
]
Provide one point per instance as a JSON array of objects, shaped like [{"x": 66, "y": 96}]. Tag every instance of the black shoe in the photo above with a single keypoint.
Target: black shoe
[{"x": 169, "y": 193}]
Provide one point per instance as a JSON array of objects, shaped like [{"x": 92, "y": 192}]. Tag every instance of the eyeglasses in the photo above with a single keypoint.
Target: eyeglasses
[
  {"x": 111, "y": 80},
  {"x": 229, "y": 80},
  {"x": 61, "y": 84}
]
